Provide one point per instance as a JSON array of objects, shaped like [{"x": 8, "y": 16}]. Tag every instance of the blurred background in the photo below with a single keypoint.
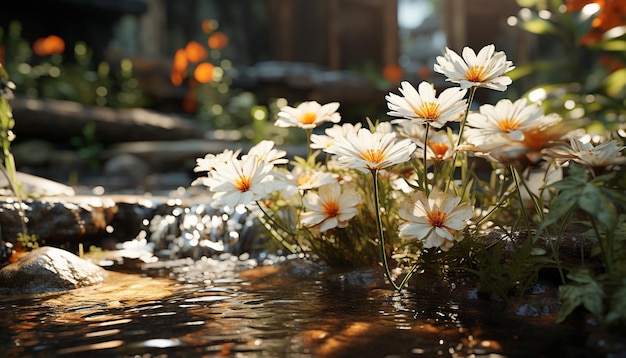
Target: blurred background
[{"x": 91, "y": 74}]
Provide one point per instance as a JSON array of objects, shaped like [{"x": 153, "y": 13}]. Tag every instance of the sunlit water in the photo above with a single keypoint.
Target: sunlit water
[
  {"x": 238, "y": 308},
  {"x": 186, "y": 305}
]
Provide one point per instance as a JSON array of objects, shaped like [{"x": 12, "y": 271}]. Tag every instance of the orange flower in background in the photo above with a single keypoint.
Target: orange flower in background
[
  {"x": 393, "y": 73},
  {"x": 218, "y": 40},
  {"x": 209, "y": 25},
  {"x": 204, "y": 72},
  {"x": 190, "y": 105},
  {"x": 180, "y": 61},
  {"x": 195, "y": 51},
  {"x": 611, "y": 64},
  {"x": 612, "y": 14},
  {"x": 50, "y": 45},
  {"x": 177, "y": 78}
]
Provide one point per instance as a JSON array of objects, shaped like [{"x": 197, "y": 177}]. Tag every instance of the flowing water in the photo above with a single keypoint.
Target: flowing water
[{"x": 236, "y": 307}]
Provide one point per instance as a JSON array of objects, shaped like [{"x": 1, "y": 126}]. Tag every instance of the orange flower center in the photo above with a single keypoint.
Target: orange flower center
[
  {"x": 476, "y": 73},
  {"x": 508, "y": 125},
  {"x": 243, "y": 183},
  {"x": 373, "y": 155},
  {"x": 437, "y": 218},
  {"x": 428, "y": 110},
  {"x": 308, "y": 118},
  {"x": 331, "y": 209},
  {"x": 440, "y": 149}
]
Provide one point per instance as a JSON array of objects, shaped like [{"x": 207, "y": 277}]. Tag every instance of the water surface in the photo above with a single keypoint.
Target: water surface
[{"x": 236, "y": 308}]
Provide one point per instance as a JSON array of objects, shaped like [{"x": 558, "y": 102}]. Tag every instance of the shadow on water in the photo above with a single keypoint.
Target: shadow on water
[{"x": 234, "y": 307}]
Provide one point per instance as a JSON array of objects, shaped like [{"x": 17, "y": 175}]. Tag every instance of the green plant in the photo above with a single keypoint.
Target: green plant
[
  {"x": 581, "y": 74},
  {"x": 417, "y": 195},
  {"x": 8, "y": 162},
  {"x": 40, "y": 70}
]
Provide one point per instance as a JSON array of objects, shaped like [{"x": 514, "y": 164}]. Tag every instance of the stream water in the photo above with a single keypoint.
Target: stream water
[{"x": 275, "y": 307}]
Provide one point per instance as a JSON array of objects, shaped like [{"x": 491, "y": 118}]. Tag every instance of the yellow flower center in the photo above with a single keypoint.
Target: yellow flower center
[
  {"x": 243, "y": 183},
  {"x": 303, "y": 179},
  {"x": 508, "y": 125},
  {"x": 373, "y": 155},
  {"x": 440, "y": 149},
  {"x": 308, "y": 118},
  {"x": 476, "y": 73},
  {"x": 437, "y": 218},
  {"x": 331, "y": 209},
  {"x": 428, "y": 110}
]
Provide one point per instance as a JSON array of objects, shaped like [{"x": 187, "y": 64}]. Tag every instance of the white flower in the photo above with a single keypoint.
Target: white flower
[
  {"x": 485, "y": 69},
  {"x": 308, "y": 115},
  {"x": 424, "y": 106},
  {"x": 603, "y": 155},
  {"x": 367, "y": 151},
  {"x": 265, "y": 151},
  {"x": 509, "y": 130},
  {"x": 307, "y": 179},
  {"x": 511, "y": 119},
  {"x": 333, "y": 207},
  {"x": 207, "y": 163},
  {"x": 321, "y": 141},
  {"x": 239, "y": 181},
  {"x": 433, "y": 220}
]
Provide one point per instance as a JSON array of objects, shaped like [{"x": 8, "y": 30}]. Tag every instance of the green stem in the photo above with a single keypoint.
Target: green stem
[
  {"x": 269, "y": 223},
  {"x": 460, "y": 139},
  {"x": 464, "y": 121},
  {"x": 308, "y": 143},
  {"x": 381, "y": 240},
  {"x": 516, "y": 180},
  {"x": 426, "y": 190}
]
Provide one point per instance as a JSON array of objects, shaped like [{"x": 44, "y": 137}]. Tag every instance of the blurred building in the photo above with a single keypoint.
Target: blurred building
[{"x": 322, "y": 49}]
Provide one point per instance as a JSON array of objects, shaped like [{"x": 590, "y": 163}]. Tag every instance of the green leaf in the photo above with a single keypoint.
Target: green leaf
[
  {"x": 613, "y": 45},
  {"x": 617, "y": 309},
  {"x": 586, "y": 293},
  {"x": 559, "y": 208},
  {"x": 615, "y": 82},
  {"x": 539, "y": 26},
  {"x": 595, "y": 203}
]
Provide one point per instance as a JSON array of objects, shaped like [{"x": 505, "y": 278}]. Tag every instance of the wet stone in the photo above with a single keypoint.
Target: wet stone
[
  {"x": 57, "y": 219},
  {"x": 49, "y": 269}
]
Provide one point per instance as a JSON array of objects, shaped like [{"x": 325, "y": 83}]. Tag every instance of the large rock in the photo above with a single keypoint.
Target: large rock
[
  {"x": 58, "y": 219},
  {"x": 49, "y": 269}
]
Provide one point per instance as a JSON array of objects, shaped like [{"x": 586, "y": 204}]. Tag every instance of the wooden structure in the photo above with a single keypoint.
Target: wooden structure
[{"x": 334, "y": 33}]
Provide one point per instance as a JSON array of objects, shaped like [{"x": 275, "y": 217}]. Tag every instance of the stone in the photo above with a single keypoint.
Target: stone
[
  {"x": 36, "y": 186},
  {"x": 49, "y": 269},
  {"x": 57, "y": 219}
]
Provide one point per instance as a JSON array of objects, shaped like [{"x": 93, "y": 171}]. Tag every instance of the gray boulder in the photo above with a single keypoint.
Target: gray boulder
[{"x": 49, "y": 269}]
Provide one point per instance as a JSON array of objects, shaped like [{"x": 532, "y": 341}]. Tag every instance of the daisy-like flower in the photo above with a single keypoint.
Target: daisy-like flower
[
  {"x": 207, "y": 163},
  {"x": 321, "y": 141},
  {"x": 485, "y": 69},
  {"x": 307, "y": 179},
  {"x": 367, "y": 151},
  {"x": 440, "y": 143},
  {"x": 509, "y": 130},
  {"x": 423, "y": 106},
  {"x": 333, "y": 207},
  {"x": 434, "y": 220},
  {"x": 602, "y": 156},
  {"x": 265, "y": 151},
  {"x": 308, "y": 115},
  {"x": 240, "y": 181},
  {"x": 511, "y": 119}
]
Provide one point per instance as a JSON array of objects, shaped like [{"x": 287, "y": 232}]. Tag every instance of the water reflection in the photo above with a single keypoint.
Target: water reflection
[{"x": 232, "y": 308}]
